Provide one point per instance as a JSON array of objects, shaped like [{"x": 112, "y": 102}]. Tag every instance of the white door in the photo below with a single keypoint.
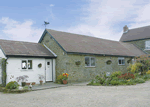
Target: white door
[{"x": 48, "y": 70}]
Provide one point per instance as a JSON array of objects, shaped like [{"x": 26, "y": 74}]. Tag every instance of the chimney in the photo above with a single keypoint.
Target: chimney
[{"x": 125, "y": 29}]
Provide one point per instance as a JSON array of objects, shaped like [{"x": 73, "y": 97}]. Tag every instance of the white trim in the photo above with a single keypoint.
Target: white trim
[
  {"x": 50, "y": 50},
  {"x": 121, "y": 58},
  {"x": 27, "y": 64},
  {"x": 90, "y": 61}
]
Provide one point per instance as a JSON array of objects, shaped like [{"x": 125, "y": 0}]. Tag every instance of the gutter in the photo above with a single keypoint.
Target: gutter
[
  {"x": 98, "y": 54},
  {"x": 50, "y": 50}
]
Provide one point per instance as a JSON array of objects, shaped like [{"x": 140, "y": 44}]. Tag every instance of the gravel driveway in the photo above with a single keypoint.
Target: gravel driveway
[{"x": 82, "y": 96}]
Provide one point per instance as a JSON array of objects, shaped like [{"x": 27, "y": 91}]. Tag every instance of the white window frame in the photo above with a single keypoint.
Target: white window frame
[
  {"x": 90, "y": 61},
  {"x": 121, "y": 58},
  {"x": 27, "y": 64},
  {"x": 146, "y": 46}
]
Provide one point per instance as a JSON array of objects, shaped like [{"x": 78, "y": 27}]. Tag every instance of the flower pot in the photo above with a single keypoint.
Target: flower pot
[
  {"x": 27, "y": 83},
  {"x": 23, "y": 84},
  {"x": 33, "y": 83},
  {"x": 41, "y": 82},
  {"x": 64, "y": 81}
]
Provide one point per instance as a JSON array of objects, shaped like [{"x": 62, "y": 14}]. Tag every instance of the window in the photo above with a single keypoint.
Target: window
[
  {"x": 89, "y": 61},
  {"x": 48, "y": 63},
  {"x": 26, "y": 64},
  {"x": 147, "y": 44},
  {"x": 121, "y": 61}
]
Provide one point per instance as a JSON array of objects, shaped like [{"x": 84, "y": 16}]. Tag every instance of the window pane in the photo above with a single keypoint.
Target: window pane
[
  {"x": 48, "y": 63},
  {"x": 119, "y": 61},
  {"x": 123, "y": 61},
  {"x": 87, "y": 61},
  {"x": 147, "y": 43},
  {"x": 29, "y": 64},
  {"x": 24, "y": 64},
  {"x": 92, "y": 61}
]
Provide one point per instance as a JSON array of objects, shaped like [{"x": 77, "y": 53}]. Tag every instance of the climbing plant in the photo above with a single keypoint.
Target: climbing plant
[{"x": 4, "y": 75}]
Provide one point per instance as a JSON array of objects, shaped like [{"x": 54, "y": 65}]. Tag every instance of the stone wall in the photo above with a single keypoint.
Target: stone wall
[
  {"x": 82, "y": 73},
  {"x": 61, "y": 55},
  {"x": 66, "y": 63},
  {"x": 140, "y": 44}
]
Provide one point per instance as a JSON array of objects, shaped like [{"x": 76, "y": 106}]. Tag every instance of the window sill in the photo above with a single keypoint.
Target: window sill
[
  {"x": 26, "y": 70},
  {"x": 121, "y": 64},
  {"x": 90, "y": 66}
]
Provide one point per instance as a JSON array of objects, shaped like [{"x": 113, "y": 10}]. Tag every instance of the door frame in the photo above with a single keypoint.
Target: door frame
[{"x": 51, "y": 60}]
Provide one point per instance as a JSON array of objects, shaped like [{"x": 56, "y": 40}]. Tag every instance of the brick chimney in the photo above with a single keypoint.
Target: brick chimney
[{"x": 125, "y": 29}]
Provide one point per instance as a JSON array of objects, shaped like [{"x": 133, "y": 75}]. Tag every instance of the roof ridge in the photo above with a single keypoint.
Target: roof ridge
[
  {"x": 82, "y": 35},
  {"x": 140, "y": 27},
  {"x": 18, "y": 41}
]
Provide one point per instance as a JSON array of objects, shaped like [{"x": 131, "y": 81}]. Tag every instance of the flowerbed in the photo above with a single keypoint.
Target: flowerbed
[{"x": 116, "y": 78}]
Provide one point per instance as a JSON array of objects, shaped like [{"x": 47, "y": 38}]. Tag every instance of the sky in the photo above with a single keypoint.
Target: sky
[{"x": 24, "y": 20}]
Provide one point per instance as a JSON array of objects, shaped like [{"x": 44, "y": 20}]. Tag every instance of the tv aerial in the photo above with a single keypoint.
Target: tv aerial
[{"x": 46, "y": 23}]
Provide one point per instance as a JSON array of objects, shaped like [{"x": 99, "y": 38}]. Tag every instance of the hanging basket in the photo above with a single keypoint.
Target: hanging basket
[{"x": 40, "y": 65}]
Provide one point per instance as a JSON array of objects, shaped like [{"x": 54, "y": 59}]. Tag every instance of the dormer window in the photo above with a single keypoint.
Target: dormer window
[{"x": 147, "y": 44}]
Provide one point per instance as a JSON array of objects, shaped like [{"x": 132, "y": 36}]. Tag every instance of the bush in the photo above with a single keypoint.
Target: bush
[
  {"x": 114, "y": 82},
  {"x": 115, "y": 78},
  {"x": 146, "y": 77},
  {"x": 99, "y": 79},
  {"x": 115, "y": 74},
  {"x": 139, "y": 80},
  {"x": 148, "y": 72},
  {"x": 126, "y": 76},
  {"x": 59, "y": 79},
  {"x": 12, "y": 85}
]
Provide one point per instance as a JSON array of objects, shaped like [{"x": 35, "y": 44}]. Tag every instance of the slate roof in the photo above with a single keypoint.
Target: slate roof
[
  {"x": 19, "y": 48},
  {"x": 136, "y": 34},
  {"x": 75, "y": 43}
]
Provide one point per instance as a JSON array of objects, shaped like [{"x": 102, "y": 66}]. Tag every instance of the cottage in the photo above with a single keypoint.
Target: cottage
[
  {"x": 82, "y": 57},
  {"x": 24, "y": 58}
]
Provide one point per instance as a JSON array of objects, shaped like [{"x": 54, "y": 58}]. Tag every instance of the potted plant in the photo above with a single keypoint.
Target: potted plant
[
  {"x": 33, "y": 83},
  {"x": 23, "y": 79},
  {"x": 65, "y": 78},
  {"x": 41, "y": 77}
]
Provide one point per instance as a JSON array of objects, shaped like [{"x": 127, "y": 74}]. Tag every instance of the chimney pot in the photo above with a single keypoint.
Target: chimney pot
[{"x": 125, "y": 29}]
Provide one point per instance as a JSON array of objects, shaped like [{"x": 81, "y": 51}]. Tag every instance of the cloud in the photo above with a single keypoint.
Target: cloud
[
  {"x": 51, "y": 5},
  {"x": 106, "y": 18},
  {"x": 51, "y": 14},
  {"x": 23, "y": 31}
]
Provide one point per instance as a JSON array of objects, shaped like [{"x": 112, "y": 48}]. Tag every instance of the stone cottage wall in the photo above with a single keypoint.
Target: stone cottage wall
[
  {"x": 61, "y": 55},
  {"x": 82, "y": 73},
  {"x": 66, "y": 63},
  {"x": 140, "y": 44}
]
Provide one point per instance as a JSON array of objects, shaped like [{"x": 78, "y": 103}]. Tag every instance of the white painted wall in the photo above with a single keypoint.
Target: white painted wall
[
  {"x": 1, "y": 56},
  {"x": 14, "y": 68}
]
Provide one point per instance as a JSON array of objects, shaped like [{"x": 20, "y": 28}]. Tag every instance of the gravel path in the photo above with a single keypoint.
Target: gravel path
[{"x": 82, "y": 96}]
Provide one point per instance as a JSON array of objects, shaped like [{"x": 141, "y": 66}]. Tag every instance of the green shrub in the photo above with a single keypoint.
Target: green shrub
[
  {"x": 146, "y": 77},
  {"x": 114, "y": 82},
  {"x": 12, "y": 85},
  {"x": 139, "y": 80},
  {"x": 99, "y": 79},
  {"x": 148, "y": 72},
  {"x": 59, "y": 79},
  {"x": 115, "y": 74},
  {"x": 115, "y": 78}
]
